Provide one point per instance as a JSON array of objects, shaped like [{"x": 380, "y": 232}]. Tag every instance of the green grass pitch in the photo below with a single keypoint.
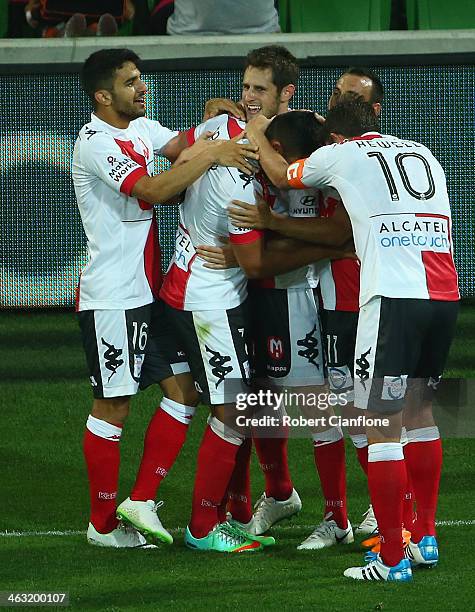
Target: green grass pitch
[{"x": 45, "y": 399}]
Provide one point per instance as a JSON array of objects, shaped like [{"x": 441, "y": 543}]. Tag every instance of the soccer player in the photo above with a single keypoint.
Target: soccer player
[
  {"x": 210, "y": 313},
  {"x": 115, "y": 195},
  {"x": 286, "y": 329},
  {"x": 395, "y": 194},
  {"x": 339, "y": 291}
]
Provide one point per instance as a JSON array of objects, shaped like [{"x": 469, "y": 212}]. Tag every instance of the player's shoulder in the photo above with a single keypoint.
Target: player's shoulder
[{"x": 224, "y": 126}]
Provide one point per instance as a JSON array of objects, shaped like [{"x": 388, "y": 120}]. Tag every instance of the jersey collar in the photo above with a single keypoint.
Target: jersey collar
[
  {"x": 367, "y": 136},
  {"x": 107, "y": 127}
]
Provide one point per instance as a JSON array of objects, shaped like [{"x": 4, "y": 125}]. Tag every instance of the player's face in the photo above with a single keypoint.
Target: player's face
[
  {"x": 353, "y": 83},
  {"x": 259, "y": 94},
  {"x": 128, "y": 92}
]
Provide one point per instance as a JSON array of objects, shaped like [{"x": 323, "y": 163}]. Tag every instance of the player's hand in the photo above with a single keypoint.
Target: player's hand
[
  {"x": 196, "y": 148},
  {"x": 217, "y": 258},
  {"x": 251, "y": 216},
  {"x": 257, "y": 126},
  {"x": 230, "y": 153},
  {"x": 218, "y": 106}
]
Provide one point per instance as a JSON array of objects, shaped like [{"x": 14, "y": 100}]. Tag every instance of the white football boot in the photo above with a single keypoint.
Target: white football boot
[
  {"x": 369, "y": 524},
  {"x": 327, "y": 534},
  {"x": 121, "y": 537},
  {"x": 143, "y": 516},
  {"x": 377, "y": 570},
  {"x": 269, "y": 511}
]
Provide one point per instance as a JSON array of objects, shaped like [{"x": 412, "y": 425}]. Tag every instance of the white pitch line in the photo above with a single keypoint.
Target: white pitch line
[{"x": 31, "y": 534}]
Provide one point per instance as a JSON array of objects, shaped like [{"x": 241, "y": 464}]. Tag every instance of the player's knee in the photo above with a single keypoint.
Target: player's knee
[
  {"x": 180, "y": 389},
  {"x": 113, "y": 409}
]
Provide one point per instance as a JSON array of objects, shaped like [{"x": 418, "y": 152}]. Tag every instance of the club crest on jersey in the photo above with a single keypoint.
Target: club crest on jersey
[
  {"x": 394, "y": 387},
  {"x": 275, "y": 347},
  {"x": 340, "y": 378}
]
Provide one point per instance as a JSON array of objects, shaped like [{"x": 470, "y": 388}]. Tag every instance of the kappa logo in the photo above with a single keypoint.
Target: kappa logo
[
  {"x": 112, "y": 358},
  {"x": 363, "y": 365},
  {"x": 310, "y": 343},
  {"x": 89, "y": 133},
  {"x": 218, "y": 367},
  {"x": 275, "y": 347},
  {"x": 246, "y": 179}
]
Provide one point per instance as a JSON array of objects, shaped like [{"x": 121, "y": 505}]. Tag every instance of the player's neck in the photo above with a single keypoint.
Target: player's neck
[
  {"x": 112, "y": 118},
  {"x": 283, "y": 108}
]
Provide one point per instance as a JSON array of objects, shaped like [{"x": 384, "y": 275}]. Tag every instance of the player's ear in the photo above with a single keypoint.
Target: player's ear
[
  {"x": 103, "y": 97},
  {"x": 287, "y": 92},
  {"x": 337, "y": 137},
  {"x": 275, "y": 144},
  {"x": 377, "y": 108}
]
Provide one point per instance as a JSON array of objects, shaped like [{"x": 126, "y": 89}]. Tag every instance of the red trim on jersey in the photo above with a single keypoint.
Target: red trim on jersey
[
  {"x": 346, "y": 276},
  {"x": 129, "y": 183},
  {"x": 295, "y": 173},
  {"x": 153, "y": 259},
  {"x": 246, "y": 238},
  {"x": 369, "y": 136},
  {"x": 234, "y": 129},
  {"x": 345, "y": 272},
  {"x": 173, "y": 290},
  {"x": 127, "y": 148},
  {"x": 190, "y": 136},
  {"x": 174, "y": 286},
  {"x": 441, "y": 276}
]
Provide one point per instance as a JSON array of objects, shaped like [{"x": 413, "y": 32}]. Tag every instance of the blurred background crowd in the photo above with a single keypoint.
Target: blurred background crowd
[{"x": 73, "y": 18}]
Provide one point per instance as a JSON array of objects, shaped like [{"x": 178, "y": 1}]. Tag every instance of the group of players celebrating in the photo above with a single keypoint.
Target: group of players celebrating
[{"x": 276, "y": 204}]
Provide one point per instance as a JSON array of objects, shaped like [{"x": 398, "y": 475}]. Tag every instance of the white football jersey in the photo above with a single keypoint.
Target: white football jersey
[
  {"x": 123, "y": 267},
  {"x": 294, "y": 203},
  {"x": 396, "y": 196},
  {"x": 188, "y": 285}
]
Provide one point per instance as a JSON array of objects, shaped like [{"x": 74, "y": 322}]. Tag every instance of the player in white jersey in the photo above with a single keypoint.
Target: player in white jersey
[
  {"x": 396, "y": 197},
  {"x": 210, "y": 313},
  {"x": 283, "y": 309},
  {"x": 115, "y": 193}
]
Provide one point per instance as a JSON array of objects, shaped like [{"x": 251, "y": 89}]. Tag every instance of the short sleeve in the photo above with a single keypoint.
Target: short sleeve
[
  {"x": 244, "y": 191},
  {"x": 102, "y": 157},
  {"x": 159, "y": 135},
  {"x": 310, "y": 172}
]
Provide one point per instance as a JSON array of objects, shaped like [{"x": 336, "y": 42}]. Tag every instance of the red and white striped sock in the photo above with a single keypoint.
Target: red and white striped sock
[
  {"x": 165, "y": 436},
  {"x": 102, "y": 453}
]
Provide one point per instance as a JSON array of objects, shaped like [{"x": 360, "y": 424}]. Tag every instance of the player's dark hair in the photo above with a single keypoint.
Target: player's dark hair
[
  {"x": 98, "y": 71},
  {"x": 351, "y": 117},
  {"x": 299, "y": 133},
  {"x": 282, "y": 63},
  {"x": 377, "y": 90}
]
